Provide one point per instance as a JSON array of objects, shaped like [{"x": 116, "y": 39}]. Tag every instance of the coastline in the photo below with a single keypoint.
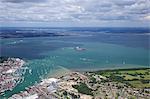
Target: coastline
[
  {"x": 58, "y": 73},
  {"x": 70, "y": 82},
  {"x": 107, "y": 69},
  {"x": 62, "y": 72}
]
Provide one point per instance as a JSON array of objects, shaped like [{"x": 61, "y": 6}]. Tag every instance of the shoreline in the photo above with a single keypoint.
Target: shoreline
[
  {"x": 72, "y": 81},
  {"x": 109, "y": 69},
  {"x": 60, "y": 72},
  {"x": 64, "y": 71}
]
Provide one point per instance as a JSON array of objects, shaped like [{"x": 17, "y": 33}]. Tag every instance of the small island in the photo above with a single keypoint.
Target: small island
[
  {"x": 102, "y": 84},
  {"x": 10, "y": 73}
]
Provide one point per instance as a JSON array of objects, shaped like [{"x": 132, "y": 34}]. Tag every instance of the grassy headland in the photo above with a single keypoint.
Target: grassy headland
[{"x": 136, "y": 77}]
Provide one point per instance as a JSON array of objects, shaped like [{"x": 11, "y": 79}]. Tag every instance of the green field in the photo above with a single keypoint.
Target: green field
[{"x": 138, "y": 78}]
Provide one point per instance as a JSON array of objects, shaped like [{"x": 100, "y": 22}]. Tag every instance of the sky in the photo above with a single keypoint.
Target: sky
[{"x": 75, "y": 13}]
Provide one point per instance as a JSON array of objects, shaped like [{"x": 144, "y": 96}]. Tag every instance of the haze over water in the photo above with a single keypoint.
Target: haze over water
[{"x": 47, "y": 50}]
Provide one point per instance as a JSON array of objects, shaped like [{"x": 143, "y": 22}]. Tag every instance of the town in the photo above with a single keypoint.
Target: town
[{"x": 10, "y": 73}]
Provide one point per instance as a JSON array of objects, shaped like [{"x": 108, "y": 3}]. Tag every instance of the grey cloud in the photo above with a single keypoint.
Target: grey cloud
[
  {"x": 139, "y": 7},
  {"x": 73, "y": 10},
  {"x": 124, "y": 2},
  {"x": 20, "y": 1}
]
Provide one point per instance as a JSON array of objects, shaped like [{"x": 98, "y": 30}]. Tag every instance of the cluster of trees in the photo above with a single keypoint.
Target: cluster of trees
[
  {"x": 71, "y": 94},
  {"x": 116, "y": 78},
  {"x": 83, "y": 88},
  {"x": 145, "y": 81},
  {"x": 93, "y": 80}
]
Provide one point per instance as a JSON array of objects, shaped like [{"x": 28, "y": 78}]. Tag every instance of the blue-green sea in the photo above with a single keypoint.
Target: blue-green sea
[{"x": 47, "y": 55}]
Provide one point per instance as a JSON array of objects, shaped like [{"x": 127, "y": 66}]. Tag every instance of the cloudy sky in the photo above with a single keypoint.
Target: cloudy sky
[{"x": 132, "y": 13}]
